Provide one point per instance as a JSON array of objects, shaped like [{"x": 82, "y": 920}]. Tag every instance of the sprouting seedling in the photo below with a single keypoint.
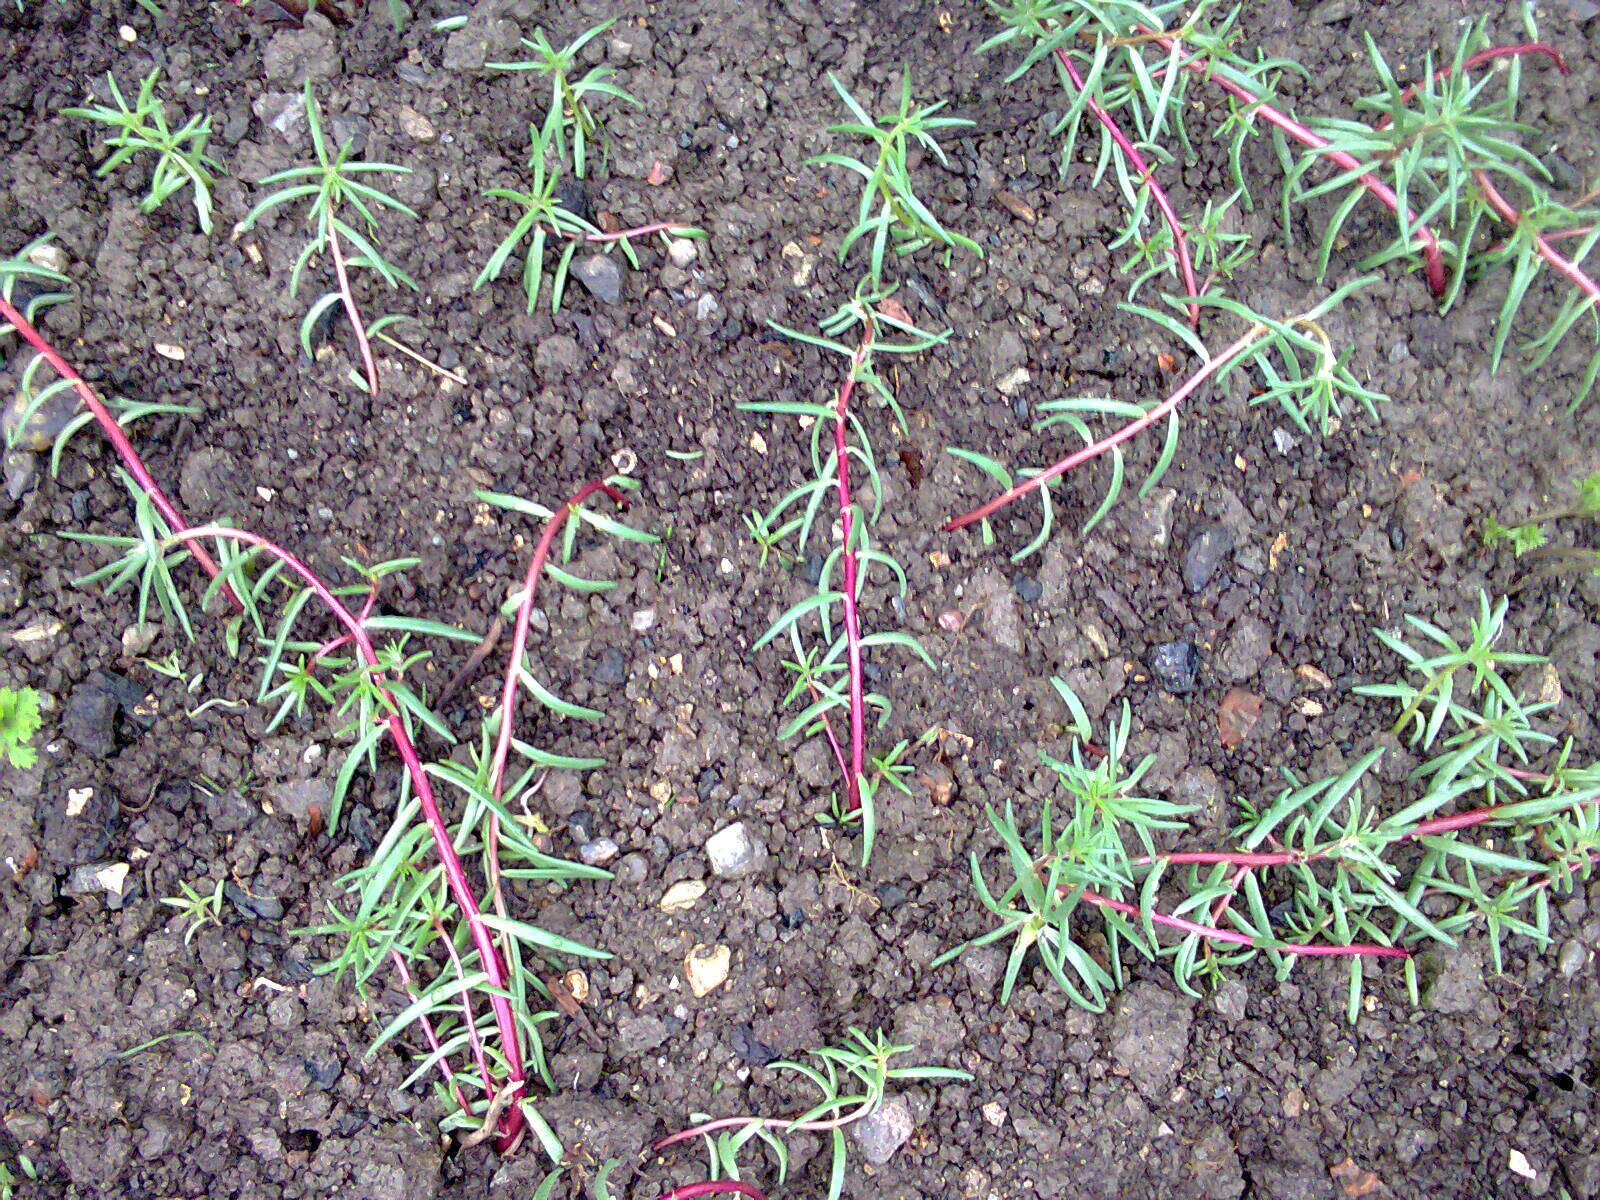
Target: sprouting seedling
[
  {"x": 1294, "y": 358},
  {"x": 545, "y": 219},
  {"x": 197, "y": 908},
  {"x": 830, "y": 676},
  {"x": 1531, "y": 538},
  {"x": 852, "y": 1082},
  {"x": 19, "y": 721},
  {"x": 572, "y": 124},
  {"x": 890, "y": 211},
  {"x": 332, "y": 188},
  {"x": 141, "y": 130}
]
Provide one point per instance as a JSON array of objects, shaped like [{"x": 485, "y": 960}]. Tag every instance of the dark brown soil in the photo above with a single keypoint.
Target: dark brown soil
[{"x": 1262, "y": 1091}]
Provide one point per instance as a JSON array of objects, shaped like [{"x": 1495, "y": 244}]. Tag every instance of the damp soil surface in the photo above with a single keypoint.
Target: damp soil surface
[{"x": 138, "y": 1062}]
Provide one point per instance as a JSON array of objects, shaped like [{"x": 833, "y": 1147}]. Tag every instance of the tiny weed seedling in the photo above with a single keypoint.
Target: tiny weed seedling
[
  {"x": 1531, "y": 538},
  {"x": 141, "y": 130},
  {"x": 331, "y": 188},
  {"x": 545, "y": 218},
  {"x": 197, "y": 908},
  {"x": 19, "y": 721},
  {"x": 571, "y": 124},
  {"x": 890, "y": 212},
  {"x": 1350, "y": 881},
  {"x": 828, "y": 675},
  {"x": 851, "y": 1080},
  {"x": 1294, "y": 359}
]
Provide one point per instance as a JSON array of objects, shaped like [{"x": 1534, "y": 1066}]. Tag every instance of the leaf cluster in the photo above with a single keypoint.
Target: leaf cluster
[
  {"x": 890, "y": 214},
  {"x": 1482, "y": 843},
  {"x": 141, "y": 130}
]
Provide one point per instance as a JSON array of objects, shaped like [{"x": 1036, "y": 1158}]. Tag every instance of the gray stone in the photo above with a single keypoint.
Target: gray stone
[
  {"x": 1248, "y": 646},
  {"x": 706, "y": 307},
  {"x": 1454, "y": 978},
  {"x": 1149, "y": 1037},
  {"x": 1231, "y": 1000},
  {"x": 640, "y": 1033},
  {"x": 600, "y": 274},
  {"x": 881, "y": 1132},
  {"x": 734, "y": 853},
  {"x": 1175, "y": 666},
  {"x": 89, "y": 719},
  {"x": 682, "y": 252},
  {"x": 282, "y": 112},
  {"x": 632, "y": 870},
  {"x": 1206, "y": 551},
  {"x": 1001, "y": 351},
  {"x": 296, "y": 55},
  {"x": 1146, "y": 522},
  {"x": 558, "y": 353},
  {"x": 932, "y": 1026},
  {"x": 1572, "y": 958},
  {"x": 598, "y": 852}
]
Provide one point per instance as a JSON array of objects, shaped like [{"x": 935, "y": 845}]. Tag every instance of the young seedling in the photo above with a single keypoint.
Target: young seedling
[
  {"x": 829, "y": 676},
  {"x": 852, "y": 1082},
  {"x": 19, "y": 721},
  {"x": 889, "y": 211},
  {"x": 572, "y": 125},
  {"x": 1349, "y": 881},
  {"x": 141, "y": 130},
  {"x": 545, "y": 219},
  {"x": 197, "y": 908},
  {"x": 333, "y": 187},
  {"x": 1531, "y": 538},
  {"x": 1294, "y": 357}
]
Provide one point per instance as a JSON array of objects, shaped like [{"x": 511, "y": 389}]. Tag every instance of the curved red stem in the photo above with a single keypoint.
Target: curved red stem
[
  {"x": 712, "y": 1187},
  {"x": 1563, "y": 266},
  {"x": 1240, "y": 939},
  {"x": 1433, "y": 259},
  {"x": 1146, "y": 174},
  {"x": 112, "y": 431},
  {"x": 349, "y": 299},
  {"x": 1230, "y": 352},
  {"x": 1489, "y": 55}
]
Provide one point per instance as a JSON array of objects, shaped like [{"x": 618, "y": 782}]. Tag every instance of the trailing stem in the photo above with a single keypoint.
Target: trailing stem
[
  {"x": 1146, "y": 177},
  {"x": 349, "y": 300},
  {"x": 713, "y": 1187},
  {"x": 1564, "y": 267},
  {"x": 1433, "y": 258},
  {"x": 852, "y": 621},
  {"x": 511, "y": 1120},
  {"x": 108, "y": 426},
  {"x": 1228, "y": 354}
]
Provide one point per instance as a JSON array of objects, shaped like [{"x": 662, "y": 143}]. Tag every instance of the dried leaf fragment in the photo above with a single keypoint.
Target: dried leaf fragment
[{"x": 1237, "y": 716}]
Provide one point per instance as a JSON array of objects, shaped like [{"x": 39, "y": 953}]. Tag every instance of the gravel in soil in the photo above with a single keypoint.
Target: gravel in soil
[{"x": 142, "y": 1064}]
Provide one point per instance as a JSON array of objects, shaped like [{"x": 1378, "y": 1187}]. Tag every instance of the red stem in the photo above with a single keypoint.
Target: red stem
[
  {"x": 1563, "y": 266},
  {"x": 1180, "y": 240},
  {"x": 350, "y": 311},
  {"x": 511, "y": 1126},
  {"x": 112, "y": 431},
  {"x": 1433, "y": 260},
  {"x": 1232, "y": 351},
  {"x": 1240, "y": 939},
  {"x": 519, "y": 639},
  {"x": 779, "y": 1123},
  {"x": 852, "y": 621},
  {"x": 641, "y": 231},
  {"x": 428, "y": 1033},
  {"x": 712, "y": 1187}
]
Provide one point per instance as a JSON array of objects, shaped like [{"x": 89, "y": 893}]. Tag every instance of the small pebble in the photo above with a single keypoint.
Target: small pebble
[
  {"x": 643, "y": 619},
  {"x": 883, "y": 1131},
  {"x": 600, "y": 274},
  {"x": 598, "y": 852},
  {"x": 1573, "y": 957},
  {"x": 1175, "y": 666},
  {"x": 1028, "y": 589},
  {"x": 682, "y": 252},
  {"x": 1206, "y": 551},
  {"x": 733, "y": 852}
]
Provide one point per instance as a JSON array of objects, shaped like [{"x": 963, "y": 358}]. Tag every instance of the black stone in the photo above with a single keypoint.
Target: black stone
[{"x": 1175, "y": 666}]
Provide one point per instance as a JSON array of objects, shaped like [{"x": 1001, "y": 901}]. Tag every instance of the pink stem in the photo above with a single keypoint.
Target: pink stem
[
  {"x": 428, "y": 1033},
  {"x": 712, "y": 1187},
  {"x": 1180, "y": 240},
  {"x": 112, "y": 431},
  {"x": 519, "y": 639},
  {"x": 1563, "y": 266},
  {"x": 467, "y": 1013},
  {"x": 1232, "y": 351},
  {"x": 779, "y": 1123},
  {"x": 641, "y": 231},
  {"x": 1240, "y": 939},
  {"x": 852, "y": 621},
  {"x": 350, "y": 311},
  {"x": 511, "y": 1127},
  {"x": 1433, "y": 260}
]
